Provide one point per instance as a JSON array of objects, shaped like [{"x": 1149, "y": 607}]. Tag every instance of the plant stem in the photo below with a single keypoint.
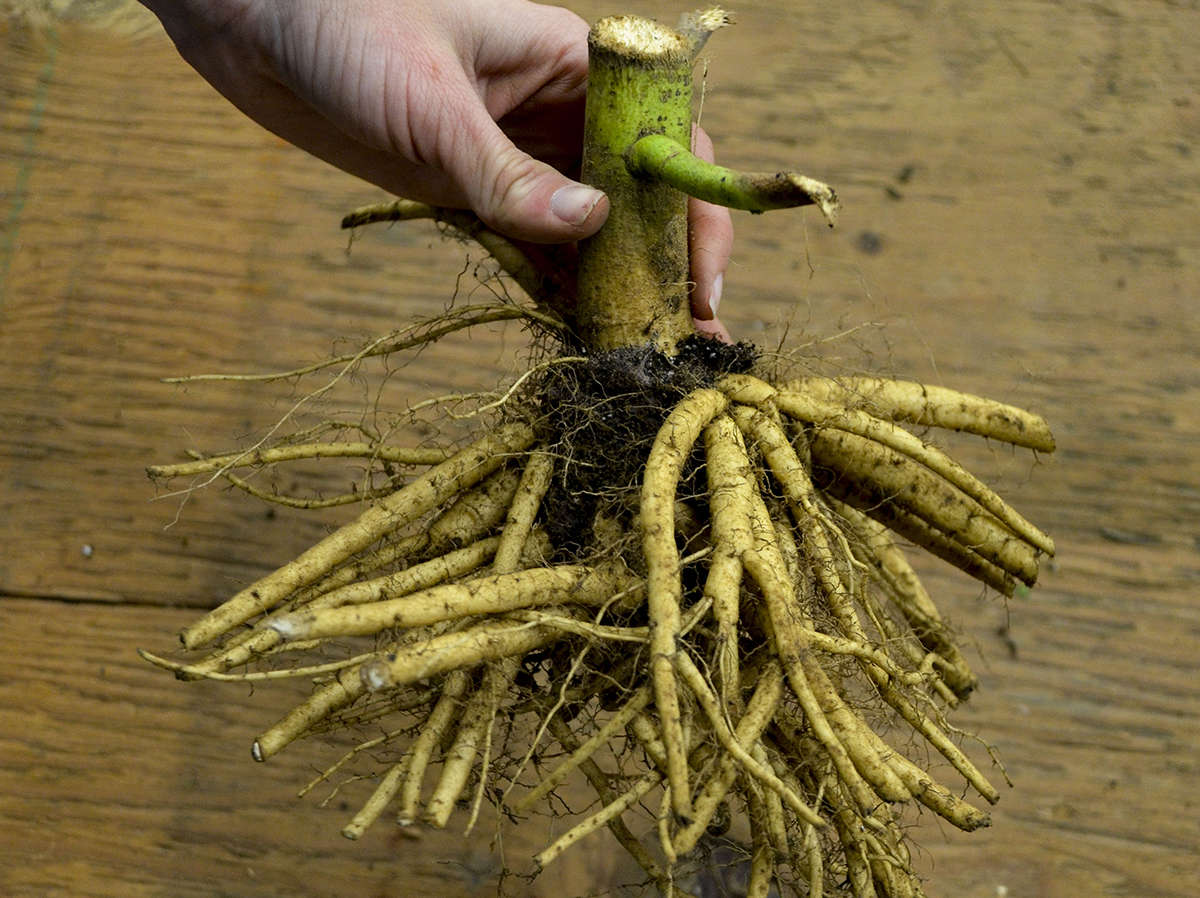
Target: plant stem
[
  {"x": 633, "y": 274},
  {"x": 663, "y": 159}
]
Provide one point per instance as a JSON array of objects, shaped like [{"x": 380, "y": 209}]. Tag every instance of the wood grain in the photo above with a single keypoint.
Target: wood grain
[
  {"x": 1019, "y": 187},
  {"x": 118, "y": 782}
]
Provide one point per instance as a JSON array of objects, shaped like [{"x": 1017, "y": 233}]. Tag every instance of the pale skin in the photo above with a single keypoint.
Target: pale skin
[{"x": 469, "y": 104}]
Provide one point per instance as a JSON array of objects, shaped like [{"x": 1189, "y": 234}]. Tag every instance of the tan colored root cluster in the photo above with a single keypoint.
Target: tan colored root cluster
[{"x": 778, "y": 657}]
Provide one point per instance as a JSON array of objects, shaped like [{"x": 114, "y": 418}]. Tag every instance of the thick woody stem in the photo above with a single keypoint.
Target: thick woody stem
[{"x": 633, "y": 273}]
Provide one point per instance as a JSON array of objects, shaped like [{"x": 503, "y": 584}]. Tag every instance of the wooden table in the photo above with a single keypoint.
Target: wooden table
[{"x": 1020, "y": 192}]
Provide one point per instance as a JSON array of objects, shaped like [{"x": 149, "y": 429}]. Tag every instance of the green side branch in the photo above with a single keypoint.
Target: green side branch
[{"x": 661, "y": 158}]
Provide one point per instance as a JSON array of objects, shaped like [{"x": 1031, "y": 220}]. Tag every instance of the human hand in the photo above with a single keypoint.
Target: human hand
[{"x": 473, "y": 104}]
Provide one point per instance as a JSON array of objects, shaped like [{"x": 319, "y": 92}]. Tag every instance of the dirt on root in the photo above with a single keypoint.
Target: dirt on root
[{"x": 601, "y": 417}]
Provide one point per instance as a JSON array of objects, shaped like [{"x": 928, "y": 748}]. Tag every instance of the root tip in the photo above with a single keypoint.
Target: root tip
[{"x": 190, "y": 640}]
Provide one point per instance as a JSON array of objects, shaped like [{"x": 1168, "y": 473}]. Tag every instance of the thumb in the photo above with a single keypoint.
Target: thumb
[{"x": 518, "y": 195}]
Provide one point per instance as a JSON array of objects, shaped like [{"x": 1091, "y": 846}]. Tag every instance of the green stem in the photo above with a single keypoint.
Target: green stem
[
  {"x": 663, "y": 159},
  {"x": 633, "y": 274}
]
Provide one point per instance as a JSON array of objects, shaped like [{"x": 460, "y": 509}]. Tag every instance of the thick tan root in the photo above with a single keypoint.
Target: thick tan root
[
  {"x": 931, "y": 406},
  {"x": 805, "y": 408},
  {"x": 522, "y": 511},
  {"x": 485, "y": 642},
  {"x": 426, "y": 492},
  {"x": 664, "y": 590},
  {"x": 728, "y": 468},
  {"x": 736, "y": 660},
  {"x": 899, "y": 478},
  {"x": 374, "y": 807},
  {"x": 476, "y": 721},
  {"x": 884, "y": 475},
  {"x": 708, "y": 703},
  {"x": 421, "y": 576},
  {"x": 798, "y": 490},
  {"x": 473, "y": 514},
  {"x": 403, "y": 665},
  {"x": 610, "y": 812},
  {"x": 337, "y": 693},
  {"x": 759, "y": 712},
  {"x": 435, "y": 727},
  {"x": 906, "y": 592},
  {"x": 762, "y": 859},
  {"x": 616, "y": 825},
  {"x": 495, "y": 594},
  {"x": 766, "y": 568}
]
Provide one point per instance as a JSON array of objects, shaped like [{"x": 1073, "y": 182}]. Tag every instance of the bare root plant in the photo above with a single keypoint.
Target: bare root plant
[{"x": 661, "y": 568}]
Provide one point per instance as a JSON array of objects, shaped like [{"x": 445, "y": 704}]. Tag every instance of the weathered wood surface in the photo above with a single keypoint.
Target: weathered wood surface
[{"x": 1019, "y": 187}]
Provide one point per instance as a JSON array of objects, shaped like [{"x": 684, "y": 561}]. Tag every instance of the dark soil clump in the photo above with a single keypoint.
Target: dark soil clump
[{"x": 601, "y": 417}]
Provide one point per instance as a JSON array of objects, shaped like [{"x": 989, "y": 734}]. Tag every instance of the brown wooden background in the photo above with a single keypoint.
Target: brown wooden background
[{"x": 1020, "y": 184}]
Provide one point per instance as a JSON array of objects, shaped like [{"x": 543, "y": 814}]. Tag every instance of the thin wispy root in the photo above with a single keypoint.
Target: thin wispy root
[{"x": 730, "y": 631}]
